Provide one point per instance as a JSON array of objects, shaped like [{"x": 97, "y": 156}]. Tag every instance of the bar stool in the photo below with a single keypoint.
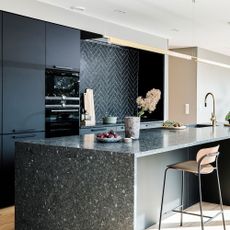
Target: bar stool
[{"x": 202, "y": 165}]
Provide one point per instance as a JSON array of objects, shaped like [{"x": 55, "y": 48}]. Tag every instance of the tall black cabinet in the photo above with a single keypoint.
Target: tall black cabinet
[
  {"x": 62, "y": 46},
  {"x": 1, "y": 155},
  {"x": 23, "y": 74},
  {"x": 23, "y": 90},
  {"x": 27, "y": 46}
]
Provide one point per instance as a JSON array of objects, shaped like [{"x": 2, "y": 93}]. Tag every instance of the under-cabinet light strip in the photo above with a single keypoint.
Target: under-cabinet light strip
[
  {"x": 201, "y": 60},
  {"x": 121, "y": 42}
]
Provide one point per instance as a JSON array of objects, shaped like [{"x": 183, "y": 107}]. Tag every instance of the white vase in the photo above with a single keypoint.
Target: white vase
[{"x": 132, "y": 127}]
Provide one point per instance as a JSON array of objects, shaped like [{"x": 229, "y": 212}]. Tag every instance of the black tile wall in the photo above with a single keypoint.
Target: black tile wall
[{"x": 112, "y": 72}]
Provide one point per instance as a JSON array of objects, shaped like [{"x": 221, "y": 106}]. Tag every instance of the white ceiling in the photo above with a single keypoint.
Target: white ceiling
[{"x": 185, "y": 23}]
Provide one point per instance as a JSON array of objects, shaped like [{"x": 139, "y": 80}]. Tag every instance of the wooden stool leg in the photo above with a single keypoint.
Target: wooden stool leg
[{"x": 162, "y": 198}]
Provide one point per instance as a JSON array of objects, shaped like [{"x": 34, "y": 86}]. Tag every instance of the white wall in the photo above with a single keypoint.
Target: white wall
[{"x": 213, "y": 79}]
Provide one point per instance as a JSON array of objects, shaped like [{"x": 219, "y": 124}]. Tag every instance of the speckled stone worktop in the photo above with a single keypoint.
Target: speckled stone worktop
[
  {"x": 77, "y": 183},
  {"x": 151, "y": 141}
]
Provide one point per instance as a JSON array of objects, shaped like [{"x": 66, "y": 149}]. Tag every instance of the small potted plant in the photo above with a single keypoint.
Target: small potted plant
[
  {"x": 147, "y": 104},
  {"x": 227, "y": 117}
]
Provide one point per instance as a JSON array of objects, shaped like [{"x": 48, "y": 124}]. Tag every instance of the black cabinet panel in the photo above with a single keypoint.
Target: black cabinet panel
[
  {"x": 23, "y": 40},
  {"x": 62, "y": 46},
  {"x": 0, "y": 73},
  {"x": 151, "y": 75},
  {"x": 23, "y": 74},
  {"x": 23, "y": 100},
  {"x": 1, "y": 171},
  {"x": 8, "y": 150},
  {"x": 209, "y": 183}
]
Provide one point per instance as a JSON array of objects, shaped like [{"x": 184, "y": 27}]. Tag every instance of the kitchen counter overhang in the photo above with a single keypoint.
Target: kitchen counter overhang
[{"x": 151, "y": 141}]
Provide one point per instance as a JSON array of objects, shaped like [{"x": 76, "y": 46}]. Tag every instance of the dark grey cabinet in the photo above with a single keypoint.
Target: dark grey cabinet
[
  {"x": 0, "y": 73},
  {"x": 23, "y": 74},
  {"x": 23, "y": 41},
  {"x": 62, "y": 46},
  {"x": 8, "y": 147},
  {"x": 22, "y": 91},
  {"x": 23, "y": 100}
]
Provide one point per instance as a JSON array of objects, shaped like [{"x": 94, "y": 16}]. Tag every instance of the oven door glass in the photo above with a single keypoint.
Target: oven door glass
[
  {"x": 62, "y": 122},
  {"x": 62, "y": 84}
]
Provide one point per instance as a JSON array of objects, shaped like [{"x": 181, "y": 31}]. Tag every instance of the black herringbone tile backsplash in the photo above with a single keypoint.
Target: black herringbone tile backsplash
[{"x": 112, "y": 72}]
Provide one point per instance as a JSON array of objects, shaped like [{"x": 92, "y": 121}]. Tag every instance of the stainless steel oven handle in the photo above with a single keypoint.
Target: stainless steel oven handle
[
  {"x": 61, "y": 106},
  {"x": 63, "y": 67},
  {"x": 64, "y": 110},
  {"x": 53, "y": 98},
  {"x": 63, "y": 98},
  {"x": 72, "y": 99}
]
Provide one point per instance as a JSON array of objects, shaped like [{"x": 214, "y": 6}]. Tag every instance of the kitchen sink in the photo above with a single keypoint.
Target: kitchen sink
[{"x": 201, "y": 125}]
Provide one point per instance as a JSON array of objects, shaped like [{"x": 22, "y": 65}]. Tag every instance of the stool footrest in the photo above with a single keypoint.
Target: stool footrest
[
  {"x": 190, "y": 213},
  {"x": 213, "y": 217},
  {"x": 195, "y": 214}
]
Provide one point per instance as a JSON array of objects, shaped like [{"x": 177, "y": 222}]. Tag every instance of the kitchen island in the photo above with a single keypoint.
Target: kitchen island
[{"x": 77, "y": 183}]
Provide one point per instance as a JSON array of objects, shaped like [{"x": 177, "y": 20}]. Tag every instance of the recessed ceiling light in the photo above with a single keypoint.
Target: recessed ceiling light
[
  {"x": 175, "y": 30},
  {"x": 77, "y": 8},
  {"x": 119, "y": 11}
]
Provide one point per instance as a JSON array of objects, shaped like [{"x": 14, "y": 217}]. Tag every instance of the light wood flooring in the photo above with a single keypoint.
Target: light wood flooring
[
  {"x": 7, "y": 218},
  {"x": 170, "y": 223},
  {"x": 193, "y": 222}
]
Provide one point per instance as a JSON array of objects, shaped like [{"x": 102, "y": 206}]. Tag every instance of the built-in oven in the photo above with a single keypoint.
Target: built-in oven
[{"x": 62, "y": 102}]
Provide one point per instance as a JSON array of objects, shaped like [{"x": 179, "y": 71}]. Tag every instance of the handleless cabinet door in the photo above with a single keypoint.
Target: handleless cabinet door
[
  {"x": 23, "y": 74},
  {"x": 23, "y": 100},
  {"x": 8, "y": 150},
  {"x": 23, "y": 41},
  {"x": 0, "y": 74},
  {"x": 62, "y": 46}
]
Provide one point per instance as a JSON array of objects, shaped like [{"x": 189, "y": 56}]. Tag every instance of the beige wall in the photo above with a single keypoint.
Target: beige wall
[
  {"x": 182, "y": 87},
  {"x": 190, "y": 81}
]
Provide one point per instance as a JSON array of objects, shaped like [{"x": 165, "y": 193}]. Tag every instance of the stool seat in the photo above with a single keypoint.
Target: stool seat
[{"x": 192, "y": 167}]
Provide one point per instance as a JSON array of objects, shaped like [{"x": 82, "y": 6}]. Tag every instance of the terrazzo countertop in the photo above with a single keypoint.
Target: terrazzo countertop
[
  {"x": 77, "y": 183},
  {"x": 151, "y": 141}
]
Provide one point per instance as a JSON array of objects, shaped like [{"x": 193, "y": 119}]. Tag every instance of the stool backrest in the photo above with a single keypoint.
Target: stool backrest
[{"x": 209, "y": 155}]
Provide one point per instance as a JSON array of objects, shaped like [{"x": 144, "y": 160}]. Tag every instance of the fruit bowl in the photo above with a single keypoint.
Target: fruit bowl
[
  {"x": 109, "y": 140},
  {"x": 109, "y": 137}
]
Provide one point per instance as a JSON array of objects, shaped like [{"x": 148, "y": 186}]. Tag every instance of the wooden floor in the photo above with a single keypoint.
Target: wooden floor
[
  {"x": 170, "y": 223},
  {"x": 193, "y": 222},
  {"x": 7, "y": 218}
]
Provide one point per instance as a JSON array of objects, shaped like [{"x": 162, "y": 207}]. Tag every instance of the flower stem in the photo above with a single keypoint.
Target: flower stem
[{"x": 141, "y": 112}]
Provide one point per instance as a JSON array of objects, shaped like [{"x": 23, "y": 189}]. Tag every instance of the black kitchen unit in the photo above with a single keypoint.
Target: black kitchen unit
[
  {"x": 62, "y": 102},
  {"x": 62, "y": 111},
  {"x": 151, "y": 75},
  {"x": 62, "y": 47},
  {"x": 1, "y": 155},
  {"x": 23, "y": 89}
]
